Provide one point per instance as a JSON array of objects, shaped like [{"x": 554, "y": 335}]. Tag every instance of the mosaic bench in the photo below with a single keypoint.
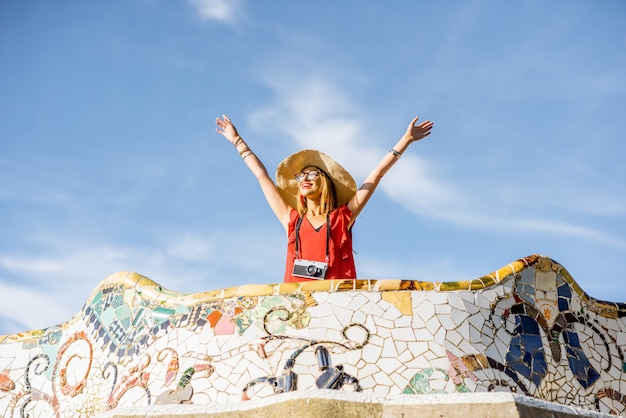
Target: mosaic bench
[{"x": 527, "y": 328}]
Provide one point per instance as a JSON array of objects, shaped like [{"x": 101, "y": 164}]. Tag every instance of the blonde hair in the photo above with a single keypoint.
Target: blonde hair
[{"x": 328, "y": 196}]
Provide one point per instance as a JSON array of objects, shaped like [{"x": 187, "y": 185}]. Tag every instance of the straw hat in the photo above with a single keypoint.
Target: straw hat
[{"x": 345, "y": 186}]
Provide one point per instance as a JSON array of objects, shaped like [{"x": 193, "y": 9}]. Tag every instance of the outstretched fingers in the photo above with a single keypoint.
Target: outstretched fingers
[
  {"x": 417, "y": 132},
  {"x": 226, "y": 128}
]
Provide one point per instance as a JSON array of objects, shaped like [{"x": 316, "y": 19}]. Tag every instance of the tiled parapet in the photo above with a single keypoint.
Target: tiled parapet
[{"x": 527, "y": 328}]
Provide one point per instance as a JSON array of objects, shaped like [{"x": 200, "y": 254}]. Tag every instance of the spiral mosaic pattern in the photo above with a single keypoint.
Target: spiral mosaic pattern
[{"x": 526, "y": 328}]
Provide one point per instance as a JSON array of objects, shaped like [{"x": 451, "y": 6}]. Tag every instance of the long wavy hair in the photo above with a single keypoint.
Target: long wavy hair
[{"x": 328, "y": 197}]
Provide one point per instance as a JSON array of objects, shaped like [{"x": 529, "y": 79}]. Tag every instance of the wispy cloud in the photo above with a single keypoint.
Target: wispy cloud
[
  {"x": 30, "y": 308},
  {"x": 318, "y": 114},
  {"x": 220, "y": 10},
  {"x": 40, "y": 290}
]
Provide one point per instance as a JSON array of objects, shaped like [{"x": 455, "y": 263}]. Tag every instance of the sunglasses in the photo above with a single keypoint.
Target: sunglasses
[{"x": 309, "y": 175}]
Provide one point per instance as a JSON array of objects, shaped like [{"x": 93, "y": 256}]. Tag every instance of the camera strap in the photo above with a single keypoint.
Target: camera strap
[{"x": 327, "y": 236}]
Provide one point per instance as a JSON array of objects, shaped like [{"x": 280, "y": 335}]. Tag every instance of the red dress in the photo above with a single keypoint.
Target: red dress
[{"x": 313, "y": 245}]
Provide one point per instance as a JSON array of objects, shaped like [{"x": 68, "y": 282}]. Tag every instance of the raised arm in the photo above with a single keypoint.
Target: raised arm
[
  {"x": 226, "y": 128},
  {"x": 413, "y": 133}
]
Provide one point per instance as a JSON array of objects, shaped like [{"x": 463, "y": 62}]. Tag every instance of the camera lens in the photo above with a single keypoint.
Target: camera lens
[{"x": 313, "y": 271}]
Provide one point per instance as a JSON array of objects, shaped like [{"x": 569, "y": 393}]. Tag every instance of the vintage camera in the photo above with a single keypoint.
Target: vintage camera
[{"x": 309, "y": 269}]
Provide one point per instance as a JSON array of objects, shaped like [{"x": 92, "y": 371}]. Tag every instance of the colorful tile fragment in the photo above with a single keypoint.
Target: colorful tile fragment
[{"x": 526, "y": 328}]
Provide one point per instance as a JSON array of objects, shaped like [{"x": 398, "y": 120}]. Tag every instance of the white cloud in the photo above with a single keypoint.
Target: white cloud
[
  {"x": 44, "y": 290},
  {"x": 220, "y": 10},
  {"x": 31, "y": 307},
  {"x": 318, "y": 114},
  {"x": 410, "y": 186}
]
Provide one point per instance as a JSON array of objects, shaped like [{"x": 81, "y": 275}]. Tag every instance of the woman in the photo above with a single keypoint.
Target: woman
[{"x": 317, "y": 202}]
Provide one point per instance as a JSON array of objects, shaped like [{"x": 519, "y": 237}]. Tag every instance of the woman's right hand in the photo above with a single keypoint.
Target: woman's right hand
[
  {"x": 416, "y": 132},
  {"x": 226, "y": 128}
]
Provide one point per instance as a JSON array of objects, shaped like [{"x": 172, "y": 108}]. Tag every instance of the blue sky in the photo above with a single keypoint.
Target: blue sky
[{"x": 109, "y": 159}]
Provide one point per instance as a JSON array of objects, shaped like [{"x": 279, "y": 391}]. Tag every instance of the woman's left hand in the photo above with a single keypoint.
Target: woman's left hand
[{"x": 416, "y": 132}]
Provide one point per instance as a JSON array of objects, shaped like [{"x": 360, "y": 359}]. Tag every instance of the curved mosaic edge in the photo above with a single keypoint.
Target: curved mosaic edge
[
  {"x": 167, "y": 298},
  {"x": 526, "y": 328}
]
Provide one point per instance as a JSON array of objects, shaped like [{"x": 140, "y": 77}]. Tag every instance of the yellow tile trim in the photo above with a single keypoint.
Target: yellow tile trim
[{"x": 164, "y": 297}]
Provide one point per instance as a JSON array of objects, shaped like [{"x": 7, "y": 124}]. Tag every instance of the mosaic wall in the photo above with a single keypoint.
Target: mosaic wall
[{"x": 526, "y": 328}]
